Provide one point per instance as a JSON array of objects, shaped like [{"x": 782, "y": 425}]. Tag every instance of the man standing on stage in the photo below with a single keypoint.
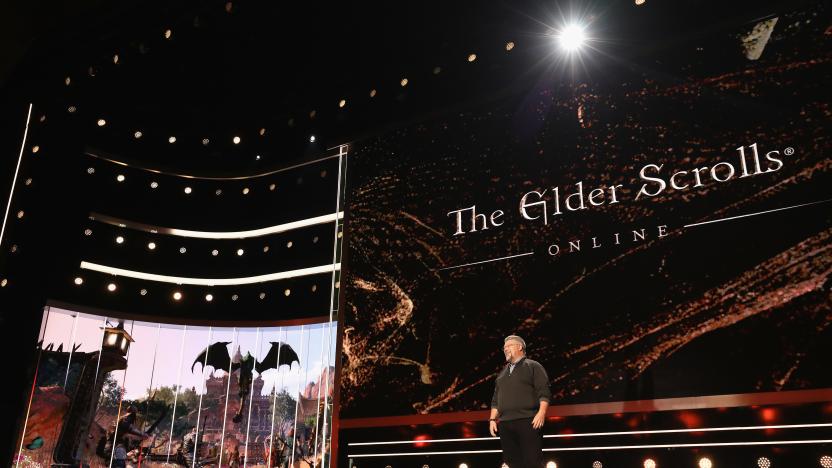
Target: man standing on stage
[{"x": 521, "y": 397}]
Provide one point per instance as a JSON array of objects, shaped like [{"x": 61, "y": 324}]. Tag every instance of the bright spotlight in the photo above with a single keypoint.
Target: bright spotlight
[
  {"x": 764, "y": 462},
  {"x": 177, "y": 296},
  {"x": 311, "y": 138},
  {"x": 209, "y": 297},
  {"x": 826, "y": 461},
  {"x": 79, "y": 281},
  {"x": 551, "y": 464},
  {"x": 119, "y": 240},
  {"x": 571, "y": 38},
  {"x": 111, "y": 287},
  {"x": 649, "y": 463},
  {"x": 151, "y": 245},
  {"x": 240, "y": 252},
  {"x": 705, "y": 462},
  {"x": 463, "y": 465}
]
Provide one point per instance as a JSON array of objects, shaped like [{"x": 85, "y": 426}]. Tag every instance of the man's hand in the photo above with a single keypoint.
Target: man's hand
[
  {"x": 539, "y": 419},
  {"x": 492, "y": 428}
]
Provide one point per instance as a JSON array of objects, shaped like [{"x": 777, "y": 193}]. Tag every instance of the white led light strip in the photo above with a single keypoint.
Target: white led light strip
[
  {"x": 16, "y": 171},
  {"x": 593, "y": 434},
  {"x": 218, "y": 235},
  {"x": 605, "y": 447},
  {"x": 189, "y": 176},
  {"x": 211, "y": 281}
]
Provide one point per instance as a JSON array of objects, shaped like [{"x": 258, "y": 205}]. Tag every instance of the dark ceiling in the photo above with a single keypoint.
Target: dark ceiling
[{"x": 233, "y": 68}]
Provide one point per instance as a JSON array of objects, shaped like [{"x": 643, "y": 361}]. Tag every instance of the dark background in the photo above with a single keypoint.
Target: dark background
[{"x": 239, "y": 67}]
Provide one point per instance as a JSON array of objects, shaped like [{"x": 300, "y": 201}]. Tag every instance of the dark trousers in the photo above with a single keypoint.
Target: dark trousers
[{"x": 522, "y": 444}]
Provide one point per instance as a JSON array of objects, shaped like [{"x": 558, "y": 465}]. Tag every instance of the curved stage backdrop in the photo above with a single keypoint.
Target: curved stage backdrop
[
  {"x": 263, "y": 397},
  {"x": 668, "y": 237}
]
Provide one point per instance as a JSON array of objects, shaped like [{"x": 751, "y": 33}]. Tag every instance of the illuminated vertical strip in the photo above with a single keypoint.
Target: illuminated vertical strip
[
  {"x": 332, "y": 296},
  {"x": 56, "y": 431},
  {"x": 121, "y": 400},
  {"x": 274, "y": 396},
  {"x": 47, "y": 311},
  {"x": 305, "y": 380},
  {"x": 297, "y": 403},
  {"x": 335, "y": 255},
  {"x": 318, "y": 399},
  {"x": 71, "y": 348},
  {"x": 34, "y": 384},
  {"x": 16, "y": 171},
  {"x": 97, "y": 367},
  {"x": 177, "y": 388},
  {"x": 150, "y": 389},
  {"x": 326, "y": 424},
  {"x": 251, "y": 393},
  {"x": 199, "y": 406},
  {"x": 227, "y": 391}
]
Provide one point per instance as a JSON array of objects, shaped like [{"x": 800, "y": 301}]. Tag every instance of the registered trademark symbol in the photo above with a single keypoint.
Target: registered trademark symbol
[{"x": 788, "y": 151}]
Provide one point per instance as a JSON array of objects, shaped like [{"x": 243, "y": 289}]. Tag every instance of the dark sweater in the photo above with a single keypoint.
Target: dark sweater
[{"x": 518, "y": 395}]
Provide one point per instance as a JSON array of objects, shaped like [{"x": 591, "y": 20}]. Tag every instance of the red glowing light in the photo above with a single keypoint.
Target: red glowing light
[
  {"x": 769, "y": 414},
  {"x": 690, "y": 420},
  {"x": 419, "y": 437}
]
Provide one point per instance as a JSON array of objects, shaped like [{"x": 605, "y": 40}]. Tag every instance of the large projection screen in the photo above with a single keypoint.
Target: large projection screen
[{"x": 659, "y": 238}]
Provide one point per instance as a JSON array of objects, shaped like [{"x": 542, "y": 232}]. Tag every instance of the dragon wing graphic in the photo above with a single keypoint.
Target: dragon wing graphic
[
  {"x": 286, "y": 354},
  {"x": 215, "y": 356}
]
